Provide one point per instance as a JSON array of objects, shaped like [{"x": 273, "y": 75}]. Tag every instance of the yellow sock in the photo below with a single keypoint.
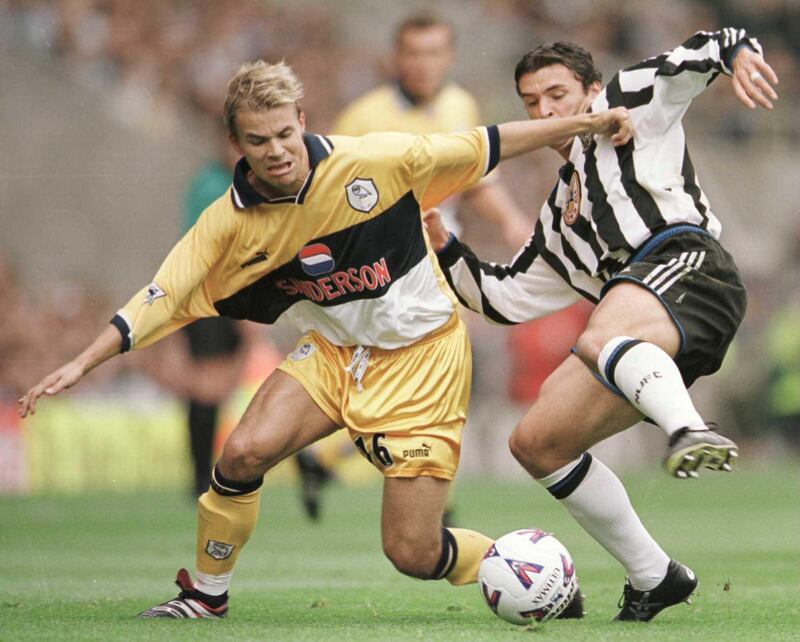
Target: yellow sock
[
  {"x": 471, "y": 547},
  {"x": 224, "y": 524}
]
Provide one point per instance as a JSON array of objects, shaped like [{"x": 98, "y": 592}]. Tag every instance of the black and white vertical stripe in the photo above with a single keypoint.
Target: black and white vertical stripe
[
  {"x": 632, "y": 192},
  {"x": 526, "y": 289},
  {"x": 626, "y": 194}
]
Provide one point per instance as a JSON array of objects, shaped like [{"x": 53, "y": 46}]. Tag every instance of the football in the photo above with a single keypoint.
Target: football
[{"x": 527, "y": 576}]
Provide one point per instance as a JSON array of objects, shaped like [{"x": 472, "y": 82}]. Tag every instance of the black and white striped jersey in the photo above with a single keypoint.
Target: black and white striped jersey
[{"x": 608, "y": 200}]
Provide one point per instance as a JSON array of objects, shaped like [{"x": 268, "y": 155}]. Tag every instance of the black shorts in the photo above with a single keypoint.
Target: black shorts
[
  {"x": 698, "y": 283},
  {"x": 212, "y": 337}
]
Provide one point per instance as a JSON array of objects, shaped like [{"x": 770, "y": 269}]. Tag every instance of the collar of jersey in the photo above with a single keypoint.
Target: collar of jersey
[{"x": 244, "y": 195}]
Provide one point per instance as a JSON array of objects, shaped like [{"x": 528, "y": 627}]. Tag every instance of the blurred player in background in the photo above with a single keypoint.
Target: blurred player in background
[
  {"x": 629, "y": 229},
  {"x": 325, "y": 233},
  {"x": 420, "y": 100}
]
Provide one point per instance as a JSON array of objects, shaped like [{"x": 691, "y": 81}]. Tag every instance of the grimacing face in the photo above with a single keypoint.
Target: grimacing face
[
  {"x": 555, "y": 92},
  {"x": 272, "y": 142},
  {"x": 423, "y": 57}
]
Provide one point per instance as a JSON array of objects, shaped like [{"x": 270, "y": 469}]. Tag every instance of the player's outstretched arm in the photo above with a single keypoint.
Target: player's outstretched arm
[
  {"x": 523, "y": 136},
  {"x": 502, "y": 294},
  {"x": 105, "y": 346},
  {"x": 753, "y": 79}
]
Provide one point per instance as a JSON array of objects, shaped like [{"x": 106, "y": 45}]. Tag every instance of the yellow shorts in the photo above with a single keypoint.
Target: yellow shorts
[{"x": 406, "y": 413}]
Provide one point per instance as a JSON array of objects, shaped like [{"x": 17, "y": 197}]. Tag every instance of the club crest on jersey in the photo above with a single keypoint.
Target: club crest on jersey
[
  {"x": 362, "y": 194},
  {"x": 303, "y": 352},
  {"x": 153, "y": 292},
  {"x": 573, "y": 207},
  {"x": 316, "y": 259}
]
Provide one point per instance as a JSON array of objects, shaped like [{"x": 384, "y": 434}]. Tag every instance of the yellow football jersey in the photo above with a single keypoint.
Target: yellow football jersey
[
  {"x": 346, "y": 256},
  {"x": 388, "y": 109}
]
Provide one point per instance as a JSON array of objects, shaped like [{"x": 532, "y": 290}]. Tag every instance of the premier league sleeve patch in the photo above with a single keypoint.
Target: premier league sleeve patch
[
  {"x": 153, "y": 292},
  {"x": 362, "y": 194}
]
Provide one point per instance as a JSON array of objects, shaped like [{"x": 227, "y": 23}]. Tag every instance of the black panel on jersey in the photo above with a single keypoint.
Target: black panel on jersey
[
  {"x": 691, "y": 187},
  {"x": 699, "y": 66},
  {"x": 648, "y": 63},
  {"x": 581, "y": 226},
  {"x": 458, "y": 250},
  {"x": 642, "y": 200},
  {"x": 361, "y": 258},
  {"x": 602, "y": 213},
  {"x": 554, "y": 262},
  {"x": 629, "y": 99},
  {"x": 566, "y": 248}
]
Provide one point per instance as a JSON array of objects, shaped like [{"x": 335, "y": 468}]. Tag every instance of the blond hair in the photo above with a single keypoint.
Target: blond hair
[{"x": 260, "y": 86}]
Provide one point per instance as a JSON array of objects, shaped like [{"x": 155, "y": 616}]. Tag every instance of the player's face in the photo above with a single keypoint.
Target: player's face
[
  {"x": 555, "y": 92},
  {"x": 272, "y": 142},
  {"x": 423, "y": 58}
]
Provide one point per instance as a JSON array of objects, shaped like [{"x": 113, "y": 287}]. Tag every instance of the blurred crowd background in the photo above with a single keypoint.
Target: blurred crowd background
[{"x": 109, "y": 107}]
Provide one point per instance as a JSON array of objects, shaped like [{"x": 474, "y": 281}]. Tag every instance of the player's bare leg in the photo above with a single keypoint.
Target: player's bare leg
[
  {"x": 281, "y": 419},
  {"x": 227, "y": 513},
  {"x": 631, "y": 341},
  {"x": 551, "y": 443},
  {"x": 414, "y": 538}
]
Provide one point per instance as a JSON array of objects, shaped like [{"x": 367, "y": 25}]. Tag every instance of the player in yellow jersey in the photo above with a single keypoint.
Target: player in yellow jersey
[
  {"x": 419, "y": 100},
  {"x": 325, "y": 233}
]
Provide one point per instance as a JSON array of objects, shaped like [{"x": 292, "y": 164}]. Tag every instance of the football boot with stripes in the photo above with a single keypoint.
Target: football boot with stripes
[
  {"x": 642, "y": 606},
  {"x": 690, "y": 449},
  {"x": 190, "y": 603}
]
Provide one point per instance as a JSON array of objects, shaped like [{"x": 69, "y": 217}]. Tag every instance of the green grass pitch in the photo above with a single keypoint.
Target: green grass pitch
[{"x": 80, "y": 568}]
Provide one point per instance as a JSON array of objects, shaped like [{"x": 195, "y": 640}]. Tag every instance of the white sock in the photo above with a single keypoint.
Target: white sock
[
  {"x": 212, "y": 584},
  {"x": 650, "y": 380},
  {"x": 597, "y": 500}
]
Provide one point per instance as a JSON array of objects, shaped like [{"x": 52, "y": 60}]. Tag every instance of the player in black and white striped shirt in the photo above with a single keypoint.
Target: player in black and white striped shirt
[{"x": 630, "y": 229}]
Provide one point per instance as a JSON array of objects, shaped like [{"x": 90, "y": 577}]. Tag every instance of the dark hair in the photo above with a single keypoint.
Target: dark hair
[
  {"x": 421, "y": 20},
  {"x": 572, "y": 56}
]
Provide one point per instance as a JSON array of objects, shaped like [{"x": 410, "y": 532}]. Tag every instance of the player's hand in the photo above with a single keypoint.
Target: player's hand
[
  {"x": 753, "y": 79},
  {"x": 438, "y": 234},
  {"x": 615, "y": 123},
  {"x": 65, "y": 377}
]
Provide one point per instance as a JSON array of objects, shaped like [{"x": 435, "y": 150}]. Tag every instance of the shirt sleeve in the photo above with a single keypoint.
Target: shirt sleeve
[
  {"x": 525, "y": 289},
  {"x": 176, "y": 295},
  {"x": 668, "y": 83},
  {"x": 443, "y": 164}
]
